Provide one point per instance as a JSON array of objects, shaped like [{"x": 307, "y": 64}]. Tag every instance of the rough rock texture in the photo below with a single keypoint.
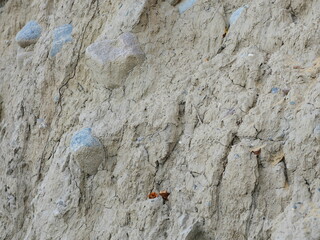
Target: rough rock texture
[{"x": 199, "y": 118}]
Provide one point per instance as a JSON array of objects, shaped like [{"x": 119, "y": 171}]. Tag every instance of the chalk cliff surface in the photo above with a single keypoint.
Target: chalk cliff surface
[{"x": 104, "y": 102}]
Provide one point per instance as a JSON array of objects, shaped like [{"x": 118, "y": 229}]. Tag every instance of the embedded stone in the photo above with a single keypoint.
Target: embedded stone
[
  {"x": 185, "y": 5},
  {"x": 61, "y": 35},
  {"x": 316, "y": 132},
  {"x": 29, "y": 34},
  {"x": 111, "y": 61},
  {"x": 236, "y": 14},
  {"x": 275, "y": 90},
  {"x": 173, "y": 2},
  {"x": 87, "y": 151}
]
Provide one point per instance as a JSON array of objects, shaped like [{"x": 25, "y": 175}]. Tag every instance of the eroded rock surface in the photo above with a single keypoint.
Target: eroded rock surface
[{"x": 223, "y": 117}]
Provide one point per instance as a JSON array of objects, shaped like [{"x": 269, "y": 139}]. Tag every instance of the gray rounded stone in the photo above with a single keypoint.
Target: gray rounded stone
[
  {"x": 87, "y": 151},
  {"x": 29, "y": 34}
]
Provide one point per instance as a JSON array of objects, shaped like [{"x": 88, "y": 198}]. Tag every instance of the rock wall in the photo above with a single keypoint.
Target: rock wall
[{"x": 215, "y": 102}]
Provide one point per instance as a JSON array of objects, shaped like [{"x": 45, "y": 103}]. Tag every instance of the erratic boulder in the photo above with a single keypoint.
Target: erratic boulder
[
  {"x": 87, "y": 151},
  {"x": 111, "y": 61},
  {"x": 29, "y": 34}
]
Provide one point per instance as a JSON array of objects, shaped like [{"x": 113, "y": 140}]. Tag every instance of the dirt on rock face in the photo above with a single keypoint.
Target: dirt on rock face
[{"x": 223, "y": 115}]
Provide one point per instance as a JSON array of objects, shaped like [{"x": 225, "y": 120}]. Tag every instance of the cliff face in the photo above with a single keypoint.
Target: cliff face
[{"x": 104, "y": 102}]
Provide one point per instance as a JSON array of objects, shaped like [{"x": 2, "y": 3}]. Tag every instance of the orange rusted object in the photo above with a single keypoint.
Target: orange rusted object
[
  {"x": 153, "y": 195},
  {"x": 297, "y": 67}
]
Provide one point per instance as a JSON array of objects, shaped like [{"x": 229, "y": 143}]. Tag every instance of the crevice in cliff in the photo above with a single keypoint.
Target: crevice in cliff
[
  {"x": 224, "y": 161},
  {"x": 60, "y": 90},
  {"x": 254, "y": 197},
  {"x": 308, "y": 187},
  {"x": 285, "y": 172},
  {"x": 39, "y": 176},
  {"x": 3, "y": 3},
  {"x": 75, "y": 67},
  {"x": 155, "y": 183},
  {"x": 173, "y": 146},
  {"x": 22, "y": 188}
]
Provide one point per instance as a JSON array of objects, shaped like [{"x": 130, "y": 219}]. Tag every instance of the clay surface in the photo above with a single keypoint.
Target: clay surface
[{"x": 224, "y": 117}]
